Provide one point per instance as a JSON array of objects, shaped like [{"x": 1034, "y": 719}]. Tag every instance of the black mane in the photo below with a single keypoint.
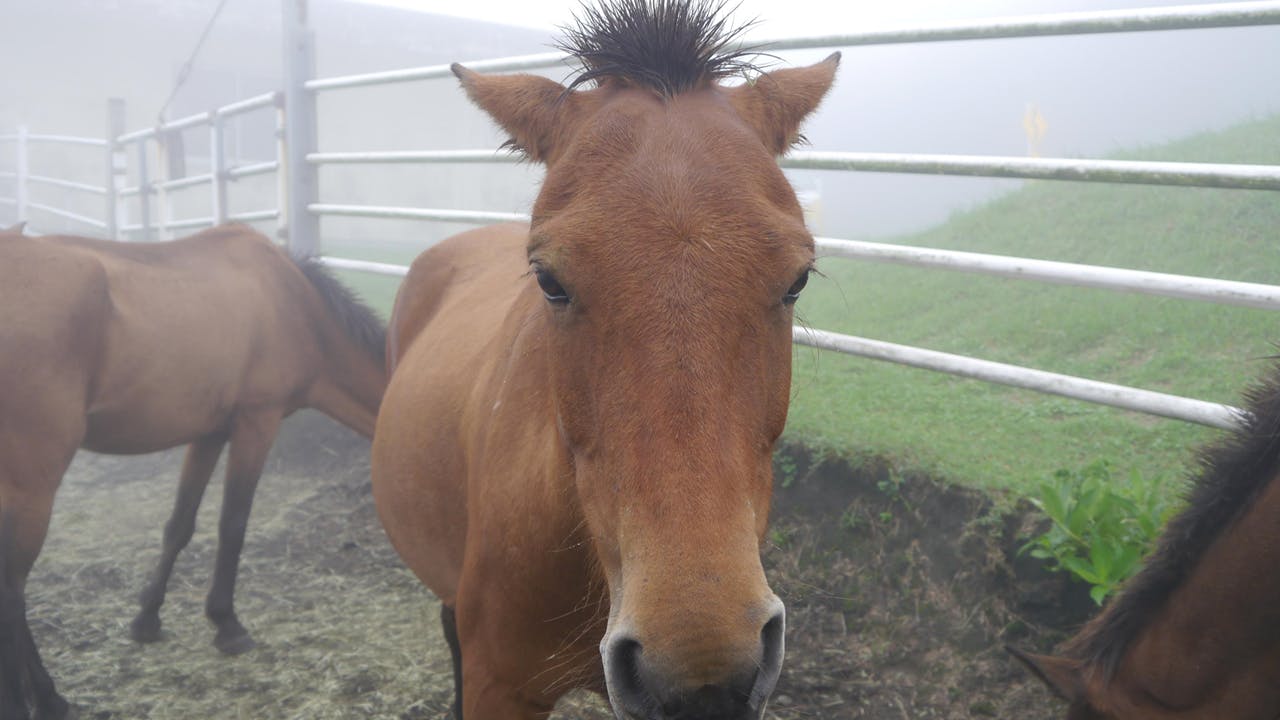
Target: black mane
[
  {"x": 356, "y": 318},
  {"x": 667, "y": 45},
  {"x": 1231, "y": 474}
]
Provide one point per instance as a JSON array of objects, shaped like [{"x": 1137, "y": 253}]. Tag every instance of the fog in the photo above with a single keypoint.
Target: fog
[{"x": 63, "y": 59}]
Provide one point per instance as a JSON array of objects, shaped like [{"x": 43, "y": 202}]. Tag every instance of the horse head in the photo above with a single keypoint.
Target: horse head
[{"x": 670, "y": 249}]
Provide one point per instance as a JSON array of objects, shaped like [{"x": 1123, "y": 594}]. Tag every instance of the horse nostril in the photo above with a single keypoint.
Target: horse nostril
[
  {"x": 773, "y": 647},
  {"x": 623, "y": 677},
  {"x": 639, "y": 688}
]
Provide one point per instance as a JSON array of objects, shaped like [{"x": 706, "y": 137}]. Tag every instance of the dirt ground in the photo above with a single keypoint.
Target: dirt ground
[{"x": 900, "y": 596}]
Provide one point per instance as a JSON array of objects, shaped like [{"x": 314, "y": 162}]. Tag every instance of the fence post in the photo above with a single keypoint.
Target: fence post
[
  {"x": 20, "y": 190},
  {"x": 282, "y": 171},
  {"x": 217, "y": 168},
  {"x": 144, "y": 190},
  {"x": 303, "y": 228},
  {"x": 162, "y": 193},
  {"x": 117, "y": 166}
]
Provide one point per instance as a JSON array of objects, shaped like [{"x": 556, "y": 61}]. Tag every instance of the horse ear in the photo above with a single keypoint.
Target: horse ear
[
  {"x": 1062, "y": 675},
  {"x": 535, "y": 111},
  {"x": 777, "y": 102},
  {"x": 15, "y": 229}
]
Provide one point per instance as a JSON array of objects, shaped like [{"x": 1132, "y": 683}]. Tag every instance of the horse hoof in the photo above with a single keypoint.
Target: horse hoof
[
  {"x": 238, "y": 644},
  {"x": 145, "y": 629}
]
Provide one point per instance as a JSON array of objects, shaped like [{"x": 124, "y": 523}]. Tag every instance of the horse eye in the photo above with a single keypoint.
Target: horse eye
[
  {"x": 793, "y": 292},
  {"x": 551, "y": 288}
]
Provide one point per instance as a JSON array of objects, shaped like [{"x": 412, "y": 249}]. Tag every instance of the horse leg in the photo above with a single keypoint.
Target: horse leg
[
  {"x": 24, "y": 522},
  {"x": 251, "y": 436},
  {"x": 489, "y": 697},
  {"x": 202, "y": 456},
  {"x": 496, "y": 681},
  {"x": 449, "y": 621}
]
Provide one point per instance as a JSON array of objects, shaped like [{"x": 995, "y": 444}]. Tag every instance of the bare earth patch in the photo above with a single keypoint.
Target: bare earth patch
[{"x": 900, "y": 595}]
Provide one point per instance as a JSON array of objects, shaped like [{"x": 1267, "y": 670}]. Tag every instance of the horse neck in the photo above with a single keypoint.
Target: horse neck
[
  {"x": 350, "y": 384},
  {"x": 1223, "y": 622}
]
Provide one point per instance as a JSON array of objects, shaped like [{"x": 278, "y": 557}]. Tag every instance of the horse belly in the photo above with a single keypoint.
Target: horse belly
[
  {"x": 163, "y": 386},
  {"x": 419, "y": 484},
  {"x": 138, "y": 430}
]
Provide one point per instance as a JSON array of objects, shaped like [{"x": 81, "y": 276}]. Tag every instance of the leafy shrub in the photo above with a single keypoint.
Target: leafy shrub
[{"x": 1102, "y": 528}]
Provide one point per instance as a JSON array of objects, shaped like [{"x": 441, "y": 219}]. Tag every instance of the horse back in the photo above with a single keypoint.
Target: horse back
[{"x": 195, "y": 328}]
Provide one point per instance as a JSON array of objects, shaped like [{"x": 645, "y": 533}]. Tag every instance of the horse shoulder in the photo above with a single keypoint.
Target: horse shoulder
[
  {"x": 59, "y": 336},
  {"x": 441, "y": 270}
]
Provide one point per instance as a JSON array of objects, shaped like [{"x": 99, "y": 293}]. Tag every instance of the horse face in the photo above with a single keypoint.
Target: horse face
[{"x": 669, "y": 249}]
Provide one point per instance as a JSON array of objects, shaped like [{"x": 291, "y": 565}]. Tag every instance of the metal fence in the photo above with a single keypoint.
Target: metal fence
[{"x": 301, "y": 207}]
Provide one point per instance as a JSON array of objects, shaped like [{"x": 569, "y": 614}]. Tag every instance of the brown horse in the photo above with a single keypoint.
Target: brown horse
[
  {"x": 574, "y": 451},
  {"x": 125, "y": 348},
  {"x": 1196, "y": 633}
]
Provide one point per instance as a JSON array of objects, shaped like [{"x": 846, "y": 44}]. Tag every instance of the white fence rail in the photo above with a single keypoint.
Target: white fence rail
[
  {"x": 144, "y": 142},
  {"x": 297, "y": 158}
]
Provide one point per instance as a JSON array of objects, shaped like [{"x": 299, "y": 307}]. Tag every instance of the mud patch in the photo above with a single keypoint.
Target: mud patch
[{"x": 900, "y": 594}]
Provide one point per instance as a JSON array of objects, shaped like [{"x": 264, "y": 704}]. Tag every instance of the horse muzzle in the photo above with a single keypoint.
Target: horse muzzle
[{"x": 643, "y": 687}]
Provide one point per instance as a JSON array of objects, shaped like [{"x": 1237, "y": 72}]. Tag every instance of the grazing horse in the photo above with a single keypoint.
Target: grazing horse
[
  {"x": 574, "y": 451},
  {"x": 127, "y": 348},
  {"x": 1196, "y": 633}
]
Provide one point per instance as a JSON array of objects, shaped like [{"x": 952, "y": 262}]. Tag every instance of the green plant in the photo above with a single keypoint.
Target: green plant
[
  {"x": 891, "y": 486},
  {"x": 1101, "y": 527},
  {"x": 786, "y": 467},
  {"x": 850, "y": 520}
]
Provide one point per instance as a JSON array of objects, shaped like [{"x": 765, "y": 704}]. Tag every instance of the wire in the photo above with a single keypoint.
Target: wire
[{"x": 185, "y": 71}]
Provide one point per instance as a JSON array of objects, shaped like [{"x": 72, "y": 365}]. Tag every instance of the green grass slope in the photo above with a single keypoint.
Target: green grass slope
[{"x": 995, "y": 437}]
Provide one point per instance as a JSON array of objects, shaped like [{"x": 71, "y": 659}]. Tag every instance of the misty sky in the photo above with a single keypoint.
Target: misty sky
[
  {"x": 784, "y": 17},
  {"x": 779, "y": 18}
]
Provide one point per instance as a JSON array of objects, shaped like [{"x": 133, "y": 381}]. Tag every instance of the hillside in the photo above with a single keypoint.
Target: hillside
[{"x": 990, "y": 436}]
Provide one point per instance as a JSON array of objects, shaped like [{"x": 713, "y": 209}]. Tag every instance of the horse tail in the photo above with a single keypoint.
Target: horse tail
[{"x": 357, "y": 319}]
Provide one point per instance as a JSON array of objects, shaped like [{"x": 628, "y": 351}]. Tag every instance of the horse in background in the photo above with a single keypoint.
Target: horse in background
[
  {"x": 207, "y": 341},
  {"x": 574, "y": 453},
  {"x": 1196, "y": 633}
]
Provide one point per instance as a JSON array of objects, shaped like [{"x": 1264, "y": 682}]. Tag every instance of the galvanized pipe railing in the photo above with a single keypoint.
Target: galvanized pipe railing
[
  {"x": 1136, "y": 172},
  {"x": 368, "y": 266},
  {"x": 1097, "y": 22},
  {"x": 65, "y": 140},
  {"x": 59, "y": 212},
  {"x": 410, "y": 213},
  {"x": 1181, "y": 174},
  {"x": 68, "y": 184},
  {"x": 251, "y": 217},
  {"x": 1225, "y": 292},
  {"x": 217, "y": 178},
  {"x": 414, "y": 156},
  {"x": 262, "y": 168},
  {"x": 1216, "y": 175},
  {"x": 1145, "y": 401},
  {"x": 1238, "y": 14}
]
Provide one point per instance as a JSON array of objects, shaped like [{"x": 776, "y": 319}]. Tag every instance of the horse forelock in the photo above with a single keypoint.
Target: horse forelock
[
  {"x": 1230, "y": 476},
  {"x": 669, "y": 46}
]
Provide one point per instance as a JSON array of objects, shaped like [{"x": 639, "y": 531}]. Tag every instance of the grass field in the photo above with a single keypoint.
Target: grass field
[{"x": 999, "y": 438}]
